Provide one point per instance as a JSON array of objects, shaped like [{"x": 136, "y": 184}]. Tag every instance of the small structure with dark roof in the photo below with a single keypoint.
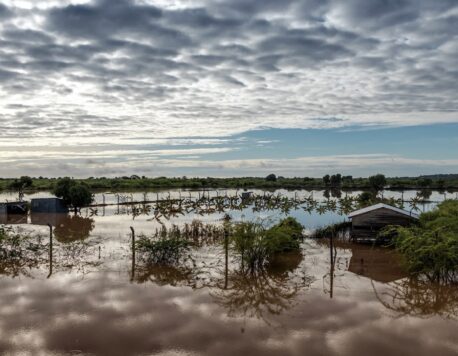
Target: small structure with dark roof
[
  {"x": 18, "y": 207},
  {"x": 49, "y": 205},
  {"x": 13, "y": 213},
  {"x": 366, "y": 223}
]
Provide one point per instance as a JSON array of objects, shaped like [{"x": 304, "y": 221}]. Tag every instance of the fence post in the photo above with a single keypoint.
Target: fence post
[
  {"x": 133, "y": 252},
  {"x": 50, "y": 250},
  {"x": 226, "y": 219}
]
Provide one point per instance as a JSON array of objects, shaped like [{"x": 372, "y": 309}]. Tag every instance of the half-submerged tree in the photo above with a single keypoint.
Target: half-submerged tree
[{"x": 73, "y": 193}]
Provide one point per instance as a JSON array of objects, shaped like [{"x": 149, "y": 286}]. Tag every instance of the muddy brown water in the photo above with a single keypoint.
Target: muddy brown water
[{"x": 94, "y": 301}]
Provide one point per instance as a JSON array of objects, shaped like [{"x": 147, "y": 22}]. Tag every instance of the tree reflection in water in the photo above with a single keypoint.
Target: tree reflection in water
[
  {"x": 420, "y": 298},
  {"x": 258, "y": 294},
  {"x": 264, "y": 292},
  {"x": 25, "y": 255},
  {"x": 73, "y": 228}
]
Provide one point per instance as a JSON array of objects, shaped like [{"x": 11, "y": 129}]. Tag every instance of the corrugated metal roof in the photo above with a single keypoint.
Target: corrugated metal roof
[{"x": 382, "y": 206}]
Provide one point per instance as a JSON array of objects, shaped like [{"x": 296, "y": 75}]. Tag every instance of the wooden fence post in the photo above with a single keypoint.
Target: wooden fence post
[{"x": 133, "y": 253}]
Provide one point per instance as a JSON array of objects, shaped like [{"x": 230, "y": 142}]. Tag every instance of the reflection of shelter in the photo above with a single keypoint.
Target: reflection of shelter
[
  {"x": 49, "y": 205},
  {"x": 367, "y": 222},
  {"x": 378, "y": 264},
  {"x": 45, "y": 219},
  {"x": 13, "y": 219},
  {"x": 68, "y": 228},
  {"x": 13, "y": 213}
]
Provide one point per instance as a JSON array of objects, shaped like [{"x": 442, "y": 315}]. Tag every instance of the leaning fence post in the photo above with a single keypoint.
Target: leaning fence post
[{"x": 133, "y": 252}]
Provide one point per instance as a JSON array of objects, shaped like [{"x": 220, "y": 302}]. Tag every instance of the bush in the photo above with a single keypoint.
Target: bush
[
  {"x": 168, "y": 248},
  {"x": 431, "y": 248},
  {"x": 257, "y": 245},
  {"x": 377, "y": 182},
  {"x": 73, "y": 193}
]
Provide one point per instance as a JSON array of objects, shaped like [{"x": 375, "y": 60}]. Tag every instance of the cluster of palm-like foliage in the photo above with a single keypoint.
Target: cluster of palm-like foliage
[
  {"x": 256, "y": 244},
  {"x": 431, "y": 248}
]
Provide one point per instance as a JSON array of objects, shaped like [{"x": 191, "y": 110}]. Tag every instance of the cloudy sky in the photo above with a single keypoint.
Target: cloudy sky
[{"x": 228, "y": 87}]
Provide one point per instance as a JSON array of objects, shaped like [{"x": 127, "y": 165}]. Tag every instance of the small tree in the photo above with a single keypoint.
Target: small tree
[
  {"x": 73, "y": 193},
  {"x": 425, "y": 182},
  {"x": 326, "y": 179},
  {"x": 336, "y": 179},
  {"x": 62, "y": 189},
  {"x": 377, "y": 182},
  {"x": 271, "y": 178},
  {"x": 20, "y": 184},
  {"x": 80, "y": 196}
]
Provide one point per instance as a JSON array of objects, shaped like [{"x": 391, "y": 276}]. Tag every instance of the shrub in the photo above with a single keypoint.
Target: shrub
[
  {"x": 257, "y": 245},
  {"x": 431, "y": 248},
  {"x": 167, "y": 248}
]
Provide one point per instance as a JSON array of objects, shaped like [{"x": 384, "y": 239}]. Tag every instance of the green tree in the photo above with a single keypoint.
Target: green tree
[
  {"x": 73, "y": 193},
  {"x": 326, "y": 179},
  {"x": 336, "y": 179},
  {"x": 62, "y": 189},
  {"x": 20, "y": 184},
  {"x": 431, "y": 247},
  {"x": 425, "y": 182},
  {"x": 377, "y": 182},
  {"x": 80, "y": 196},
  {"x": 271, "y": 178}
]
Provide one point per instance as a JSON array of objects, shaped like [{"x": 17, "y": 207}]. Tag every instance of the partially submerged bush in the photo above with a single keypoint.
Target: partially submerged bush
[
  {"x": 431, "y": 248},
  {"x": 167, "y": 247},
  {"x": 19, "y": 253},
  {"x": 257, "y": 245},
  {"x": 16, "y": 246}
]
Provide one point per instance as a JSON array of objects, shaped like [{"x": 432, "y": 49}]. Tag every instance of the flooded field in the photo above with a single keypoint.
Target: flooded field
[{"x": 84, "y": 293}]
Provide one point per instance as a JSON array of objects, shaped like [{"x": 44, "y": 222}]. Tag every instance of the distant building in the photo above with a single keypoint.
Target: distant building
[
  {"x": 48, "y": 205},
  {"x": 366, "y": 223},
  {"x": 246, "y": 195}
]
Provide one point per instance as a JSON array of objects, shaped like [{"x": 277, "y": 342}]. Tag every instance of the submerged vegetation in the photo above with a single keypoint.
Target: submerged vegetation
[
  {"x": 257, "y": 245},
  {"x": 170, "y": 246},
  {"x": 18, "y": 250},
  {"x": 431, "y": 248}
]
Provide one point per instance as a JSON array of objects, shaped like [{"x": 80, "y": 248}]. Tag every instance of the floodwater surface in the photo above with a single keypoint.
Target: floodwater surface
[{"x": 87, "y": 296}]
